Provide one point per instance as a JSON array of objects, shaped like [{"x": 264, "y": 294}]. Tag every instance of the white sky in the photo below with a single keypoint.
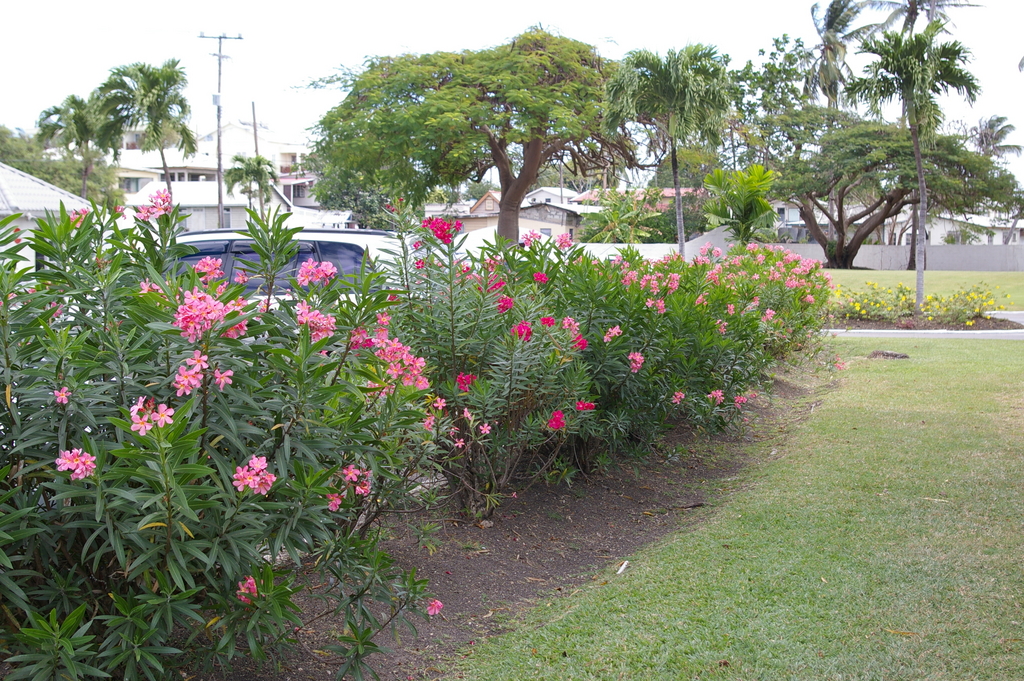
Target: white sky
[{"x": 69, "y": 48}]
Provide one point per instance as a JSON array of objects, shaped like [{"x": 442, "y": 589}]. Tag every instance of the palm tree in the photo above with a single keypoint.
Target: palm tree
[
  {"x": 625, "y": 218},
  {"x": 682, "y": 98},
  {"x": 254, "y": 175},
  {"x": 154, "y": 97},
  {"x": 914, "y": 69},
  {"x": 739, "y": 202},
  {"x": 828, "y": 72},
  {"x": 989, "y": 137},
  {"x": 910, "y": 10},
  {"x": 75, "y": 125}
]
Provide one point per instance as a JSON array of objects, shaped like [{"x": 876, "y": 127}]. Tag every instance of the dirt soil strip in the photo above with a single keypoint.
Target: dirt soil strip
[{"x": 548, "y": 541}]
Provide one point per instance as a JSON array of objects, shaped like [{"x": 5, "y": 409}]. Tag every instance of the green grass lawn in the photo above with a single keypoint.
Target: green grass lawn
[
  {"x": 882, "y": 540},
  {"x": 940, "y": 283}
]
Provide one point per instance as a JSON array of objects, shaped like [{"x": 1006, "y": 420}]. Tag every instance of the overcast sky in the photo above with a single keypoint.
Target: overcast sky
[{"x": 67, "y": 48}]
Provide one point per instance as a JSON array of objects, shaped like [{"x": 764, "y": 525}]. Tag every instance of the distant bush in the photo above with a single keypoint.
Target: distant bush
[{"x": 891, "y": 304}]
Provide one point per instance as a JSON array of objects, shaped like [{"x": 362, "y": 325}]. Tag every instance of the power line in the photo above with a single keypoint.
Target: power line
[{"x": 219, "y": 54}]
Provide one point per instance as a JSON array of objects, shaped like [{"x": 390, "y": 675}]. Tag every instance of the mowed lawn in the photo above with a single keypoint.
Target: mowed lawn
[
  {"x": 939, "y": 283},
  {"x": 881, "y": 537}
]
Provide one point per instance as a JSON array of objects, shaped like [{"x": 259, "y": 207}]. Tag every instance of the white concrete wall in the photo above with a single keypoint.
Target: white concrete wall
[{"x": 937, "y": 257}]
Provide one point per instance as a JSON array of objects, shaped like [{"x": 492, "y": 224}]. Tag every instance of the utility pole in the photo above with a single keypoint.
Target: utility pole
[
  {"x": 219, "y": 54},
  {"x": 256, "y": 144}
]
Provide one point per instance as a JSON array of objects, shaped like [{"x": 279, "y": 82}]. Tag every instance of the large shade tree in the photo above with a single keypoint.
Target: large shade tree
[
  {"x": 415, "y": 122},
  {"x": 913, "y": 70},
  {"x": 151, "y": 98},
  {"x": 75, "y": 125},
  {"x": 681, "y": 99}
]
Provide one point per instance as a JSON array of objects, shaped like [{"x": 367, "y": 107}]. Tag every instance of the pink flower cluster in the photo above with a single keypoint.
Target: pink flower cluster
[
  {"x": 320, "y": 325},
  {"x": 612, "y": 333},
  {"x": 209, "y": 269},
  {"x": 402, "y": 364},
  {"x": 505, "y": 303},
  {"x": 636, "y": 360},
  {"x": 523, "y": 331},
  {"x": 716, "y": 396},
  {"x": 62, "y": 395},
  {"x": 80, "y": 463},
  {"x": 563, "y": 241},
  {"x": 530, "y": 238},
  {"x": 443, "y": 230},
  {"x": 362, "y": 479},
  {"x": 557, "y": 420},
  {"x": 201, "y": 312},
  {"x": 658, "y": 304},
  {"x": 678, "y": 396},
  {"x": 312, "y": 272},
  {"x": 464, "y": 381},
  {"x": 76, "y": 216},
  {"x": 584, "y": 406},
  {"x": 254, "y": 476},
  {"x": 159, "y": 204},
  {"x": 247, "y": 586},
  {"x": 146, "y": 415},
  {"x": 540, "y": 277}
]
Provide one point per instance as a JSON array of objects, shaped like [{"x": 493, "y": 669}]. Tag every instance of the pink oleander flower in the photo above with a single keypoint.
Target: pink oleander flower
[
  {"x": 198, "y": 360},
  {"x": 468, "y": 415},
  {"x": 612, "y": 333},
  {"x": 584, "y": 406},
  {"x": 808, "y": 298},
  {"x": 403, "y": 366},
  {"x": 580, "y": 343},
  {"x": 563, "y": 241},
  {"x": 460, "y": 443},
  {"x": 547, "y": 321},
  {"x": 523, "y": 331},
  {"x": 440, "y": 403},
  {"x": 464, "y": 381},
  {"x": 254, "y": 476},
  {"x": 571, "y": 325},
  {"x": 722, "y": 326},
  {"x": 428, "y": 423},
  {"x": 716, "y": 396},
  {"x": 351, "y": 473},
  {"x": 162, "y": 416},
  {"x": 383, "y": 319},
  {"x": 700, "y": 300},
  {"x": 146, "y": 286},
  {"x": 246, "y": 588},
  {"x": 77, "y": 216},
  {"x": 485, "y": 428},
  {"x": 739, "y": 400},
  {"x": 730, "y": 309},
  {"x": 658, "y": 304},
  {"x": 496, "y": 285},
  {"x": 313, "y": 272},
  {"x": 636, "y": 360},
  {"x": 363, "y": 487},
  {"x": 434, "y": 607},
  {"x": 540, "y": 277},
  {"x": 241, "y": 277},
  {"x": 80, "y": 463},
  {"x": 678, "y": 397},
  {"x": 768, "y": 314},
  {"x": 187, "y": 380},
  {"x": 209, "y": 268},
  {"x": 222, "y": 378},
  {"x": 62, "y": 395},
  {"x": 557, "y": 420},
  {"x": 420, "y": 263},
  {"x": 320, "y": 325},
  {"x": 334, "y": 501},
  {"x": 530, "y": 238},
  {"x": 505, "y": 303},
  {"x": 443, "y": 230}
]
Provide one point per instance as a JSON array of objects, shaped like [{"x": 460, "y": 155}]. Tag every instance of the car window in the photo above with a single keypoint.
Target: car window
[
  {"x": 209, "y": 249},
  {"x": 348, "y": 258},
  {"x": 242, "y": 253}
]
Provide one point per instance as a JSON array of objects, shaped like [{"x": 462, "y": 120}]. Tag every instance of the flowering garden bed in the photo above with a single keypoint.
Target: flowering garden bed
[{"x": 166, "y": 438}]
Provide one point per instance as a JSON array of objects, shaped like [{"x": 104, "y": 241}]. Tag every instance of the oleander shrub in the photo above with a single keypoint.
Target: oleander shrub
[
  {"x": 543, "y": 356},
  {"x": 171, "y": 448}
]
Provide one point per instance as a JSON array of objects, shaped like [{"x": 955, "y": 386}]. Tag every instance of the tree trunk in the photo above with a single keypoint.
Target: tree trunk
[
  {"x": 86, "y": 170},
  {"x": 167, "y": 174},
  {"x": 922, "y": 218},
  {"x": 680, "y": 231},
  {"x": 912, "y": 261},
  {"x": 514, "y": 188}
]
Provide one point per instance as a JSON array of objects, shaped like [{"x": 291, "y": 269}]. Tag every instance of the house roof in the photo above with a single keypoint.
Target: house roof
[
  {"x": 495, "y": 196},
  {"x": 24, "y": 193},
  {"x": 666, "y": 192}
]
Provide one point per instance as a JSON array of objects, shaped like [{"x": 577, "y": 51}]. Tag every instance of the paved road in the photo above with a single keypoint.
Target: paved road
[{"x": 977, "y": 335}]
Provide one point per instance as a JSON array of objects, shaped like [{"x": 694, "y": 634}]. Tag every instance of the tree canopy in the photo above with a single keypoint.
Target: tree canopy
[{"x": 414, "y": 122}]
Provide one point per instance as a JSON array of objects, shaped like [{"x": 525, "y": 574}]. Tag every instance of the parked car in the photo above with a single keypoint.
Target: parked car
[{"x": 346, "y": 249}]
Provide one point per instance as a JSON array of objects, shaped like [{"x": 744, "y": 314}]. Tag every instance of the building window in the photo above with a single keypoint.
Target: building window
[
  {"x": 299, "y": 191},
  {"x": 488, "y": 205},
  {"x": 546, "y": 231},
  {"x": 547, "y": 200},
  {"x": 130, "y": 184},
  {"x": 782, "y": 213}
]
